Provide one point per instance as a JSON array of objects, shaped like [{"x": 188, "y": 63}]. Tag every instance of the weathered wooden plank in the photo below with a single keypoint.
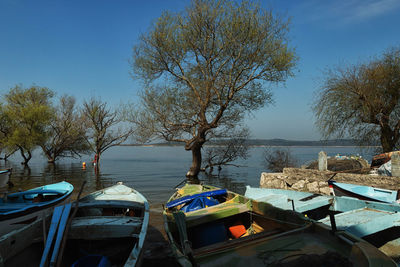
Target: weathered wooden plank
[
  {"x": 111, "y": 204},
  {"x": 55, "y": 220},
  {"x": 60, "y": 233},
  {"x": 103, "y": 227}
]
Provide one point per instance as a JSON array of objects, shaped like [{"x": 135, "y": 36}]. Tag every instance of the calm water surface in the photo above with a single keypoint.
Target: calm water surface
[{"x": 154, "y": 171}]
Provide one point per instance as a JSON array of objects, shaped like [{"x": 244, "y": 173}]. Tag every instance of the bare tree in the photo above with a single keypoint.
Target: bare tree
[
  {"x": 227, "y": 149},
  {"x": 206, "y": 67},
  {"x": 66, "y": 132},
  {"x": 276, "y": 159},
  {"x": 105, "y": 127},
  {"x": 362, "y": 101}
]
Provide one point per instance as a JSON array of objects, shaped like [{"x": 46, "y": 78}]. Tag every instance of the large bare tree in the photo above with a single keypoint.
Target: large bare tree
[
  {"x": 204, "y": 68},
  {"x": 362, "y": 101}
]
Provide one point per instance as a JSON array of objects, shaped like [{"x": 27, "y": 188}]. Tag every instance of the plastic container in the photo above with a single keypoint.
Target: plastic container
[
  {"x": 237, "y": 230},
  {"x": 209, "y": 234}
]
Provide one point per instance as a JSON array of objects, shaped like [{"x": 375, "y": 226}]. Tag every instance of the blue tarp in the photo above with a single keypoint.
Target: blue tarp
[
  {"x": 187, "y": 199},
  {"x": 200, "y": 203}
]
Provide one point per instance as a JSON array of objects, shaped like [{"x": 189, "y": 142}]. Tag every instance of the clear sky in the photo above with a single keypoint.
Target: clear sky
[{"x": 82, "y": 48}]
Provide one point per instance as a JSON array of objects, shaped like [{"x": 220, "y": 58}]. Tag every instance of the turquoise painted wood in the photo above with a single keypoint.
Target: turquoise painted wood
[
  {"x": 55, "y": 220},
  {"x": 24, "y": 201},
  {"x": 359, "y": 217},
  {"x": 60, "y": 233},
  {"x": 288, "y": 199},
  {"x": 363, "y": 222},
  {"x": 364, "y": 192}
]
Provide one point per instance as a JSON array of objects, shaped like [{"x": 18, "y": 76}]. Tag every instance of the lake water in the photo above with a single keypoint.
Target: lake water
[{"x": 154, "y": 171}]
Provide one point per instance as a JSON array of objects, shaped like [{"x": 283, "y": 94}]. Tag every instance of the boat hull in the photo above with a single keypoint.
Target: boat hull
[
  {"x": 16, "y": 215},
  {"x": 364, "y": 192}
]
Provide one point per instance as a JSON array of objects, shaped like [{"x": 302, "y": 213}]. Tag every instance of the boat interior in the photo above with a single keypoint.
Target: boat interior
[
  {"x": 31, "y": 197},
  {"x": 263, "y": 233},
  {"x": 113, "y": 232},
  {"x": 249, "y": 224}
]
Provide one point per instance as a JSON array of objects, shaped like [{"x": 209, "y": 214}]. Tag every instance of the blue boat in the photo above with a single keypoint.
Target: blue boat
[
  {"x": 376, "y": 222},
  {"x": 365, "y": 192},
  {"x": 21, "y": 208}
]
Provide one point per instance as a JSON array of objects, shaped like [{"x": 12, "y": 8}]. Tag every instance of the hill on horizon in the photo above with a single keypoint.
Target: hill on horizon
[{"x": 272, "y": 142}]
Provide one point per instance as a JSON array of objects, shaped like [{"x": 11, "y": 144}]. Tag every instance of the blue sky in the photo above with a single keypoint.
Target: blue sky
[{"x": 82, "y": 48}]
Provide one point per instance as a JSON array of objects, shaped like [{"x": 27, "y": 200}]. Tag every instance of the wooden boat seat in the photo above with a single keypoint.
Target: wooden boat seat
[
  {"x": 103, "y": 227},
  {"x": 215, "y": 212},
  {"x": 111, "y": 204}
]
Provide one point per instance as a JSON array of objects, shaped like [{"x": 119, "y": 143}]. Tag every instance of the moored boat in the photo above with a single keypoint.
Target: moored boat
[
  {"x": 238, "y": 231},
  {"x": 364, "y": 192},
  {"x": 376, "y": 222},
  {"x": 109, "y": 226},
  {"x": 21, "y": 208}
]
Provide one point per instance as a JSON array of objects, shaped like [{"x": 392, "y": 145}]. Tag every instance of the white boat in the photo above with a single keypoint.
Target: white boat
[
  {"x": 21, "y": 208},
  {"x": 110, "y": 225}
]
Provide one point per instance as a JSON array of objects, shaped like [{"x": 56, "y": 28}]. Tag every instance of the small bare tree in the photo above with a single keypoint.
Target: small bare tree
[
  {"x": 105, "y": 127},
  {"x": 278, "y": 158},
  {"x": 226, "y": 150}
]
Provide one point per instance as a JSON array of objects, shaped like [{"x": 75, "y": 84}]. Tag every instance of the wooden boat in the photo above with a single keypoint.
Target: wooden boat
[
  {"x": 243, "y": 232},
  {"x": 379, "y": 160},
  {"x": 376, "y": 222},
  {"x": 364, "y": 192},
  {"x": 110, "y": 225},
  {"x": 21, "y": 208}
]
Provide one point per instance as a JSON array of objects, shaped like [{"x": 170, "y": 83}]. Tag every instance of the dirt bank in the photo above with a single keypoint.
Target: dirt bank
[{"x": 156, "y": 250}]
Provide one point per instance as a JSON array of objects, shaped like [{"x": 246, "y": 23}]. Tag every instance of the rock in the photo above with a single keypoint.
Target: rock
[
  {"x": 299, "y": 185},
  {"x": 313, "y": 187}
]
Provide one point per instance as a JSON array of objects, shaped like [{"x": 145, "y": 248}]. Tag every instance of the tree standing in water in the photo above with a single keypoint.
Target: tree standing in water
[
  {"x": 66, "y": 131},
  {"x": 205, "y": 68},
  {"x": 105, "y": 127},
  {"x": 29, "y": 112}
]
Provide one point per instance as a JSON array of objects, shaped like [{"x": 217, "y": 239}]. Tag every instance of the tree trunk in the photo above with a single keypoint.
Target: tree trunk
[
  {"x": 196, "y": 161},
  {"x": 26, "y": 158},
  {"x": 388, "y": 141},
  {"x": 96, "y": 160}
]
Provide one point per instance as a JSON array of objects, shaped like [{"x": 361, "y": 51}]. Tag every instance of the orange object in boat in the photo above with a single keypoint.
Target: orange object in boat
[{"x": 237, "y": 230}]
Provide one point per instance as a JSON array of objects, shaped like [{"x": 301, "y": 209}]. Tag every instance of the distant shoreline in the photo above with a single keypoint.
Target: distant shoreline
[{"x": 270, "y": 143}]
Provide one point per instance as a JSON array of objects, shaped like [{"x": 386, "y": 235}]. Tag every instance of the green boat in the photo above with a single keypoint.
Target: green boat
[{"x": 232, "y": 230}]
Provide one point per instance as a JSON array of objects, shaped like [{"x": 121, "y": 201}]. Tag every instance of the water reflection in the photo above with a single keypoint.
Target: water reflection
[{"x": 154, "y": 171}]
